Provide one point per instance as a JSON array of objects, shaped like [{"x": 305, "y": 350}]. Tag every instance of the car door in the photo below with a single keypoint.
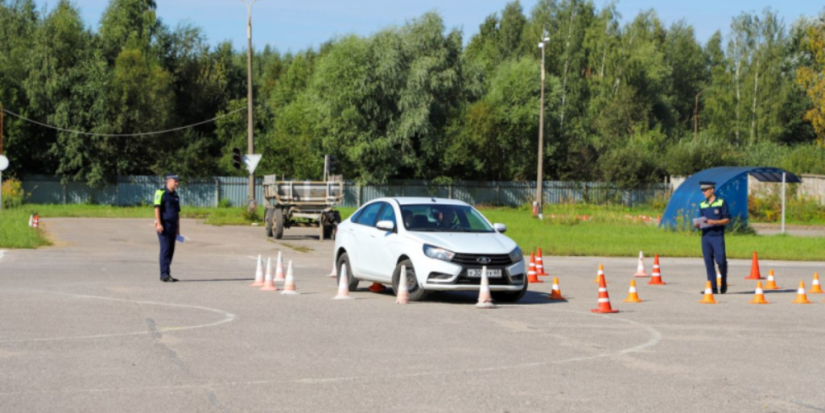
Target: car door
[
  {"x": 381, "y": 246},
  {"x": 361, "y": 229}
]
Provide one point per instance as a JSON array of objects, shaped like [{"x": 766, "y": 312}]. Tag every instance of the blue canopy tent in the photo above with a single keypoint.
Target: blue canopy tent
[{"x": 731, "y": 185}]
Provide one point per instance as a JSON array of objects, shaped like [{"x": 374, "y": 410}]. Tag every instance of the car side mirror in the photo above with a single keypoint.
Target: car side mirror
[
  {"x": 385, "y": 225},
  {"x": 500, "y": 228}
]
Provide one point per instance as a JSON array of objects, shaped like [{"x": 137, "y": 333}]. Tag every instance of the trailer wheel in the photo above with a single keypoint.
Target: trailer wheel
[
  {"x": 268, "y": 219},
  {"x": 279, "y": 223}
]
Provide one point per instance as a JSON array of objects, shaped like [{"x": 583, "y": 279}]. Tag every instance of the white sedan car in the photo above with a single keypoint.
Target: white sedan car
[{"x": 443, "y": 243}]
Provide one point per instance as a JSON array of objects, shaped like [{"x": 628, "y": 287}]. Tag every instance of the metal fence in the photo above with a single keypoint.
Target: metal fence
[{"x": 139, "y": 190}]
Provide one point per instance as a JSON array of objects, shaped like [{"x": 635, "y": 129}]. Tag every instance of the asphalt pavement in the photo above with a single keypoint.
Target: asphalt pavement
[{"x": 86, "y": 326}]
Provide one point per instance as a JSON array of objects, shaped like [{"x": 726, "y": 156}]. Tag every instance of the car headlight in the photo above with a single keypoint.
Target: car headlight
[
  {"x": 438, "y": 253},
  {"x": 516, "y": 256}
]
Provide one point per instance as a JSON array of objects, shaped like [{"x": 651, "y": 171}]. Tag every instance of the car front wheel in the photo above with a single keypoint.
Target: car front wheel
[{"x": 416, "y": 292}]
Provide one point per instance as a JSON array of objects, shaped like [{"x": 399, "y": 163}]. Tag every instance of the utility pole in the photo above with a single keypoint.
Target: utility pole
[
  {"x": 540, "y": 179},
  {"x": 696, "y": 116},
  {"x": 250, "y": 143}
]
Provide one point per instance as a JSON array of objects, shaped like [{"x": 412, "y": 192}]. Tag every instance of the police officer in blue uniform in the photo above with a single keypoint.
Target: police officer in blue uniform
[
  {"x": 167, "y": 224},
  {"x": 716, "y": 215}
]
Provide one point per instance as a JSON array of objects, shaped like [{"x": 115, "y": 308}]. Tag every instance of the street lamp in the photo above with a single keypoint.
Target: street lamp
[
  {"x": 540, "y": 179},
  {"x": 249, "y": 131}
]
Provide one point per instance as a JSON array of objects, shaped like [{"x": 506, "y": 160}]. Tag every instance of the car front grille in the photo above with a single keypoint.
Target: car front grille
[{"x": 472, "y": 259}]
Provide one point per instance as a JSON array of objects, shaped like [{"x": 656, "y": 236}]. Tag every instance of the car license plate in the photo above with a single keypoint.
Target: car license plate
[{"x": 476, "y": 273}]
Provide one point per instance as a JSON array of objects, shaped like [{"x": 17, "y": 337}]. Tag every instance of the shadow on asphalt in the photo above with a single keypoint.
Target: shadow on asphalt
[{"x": 215, "y": 280}]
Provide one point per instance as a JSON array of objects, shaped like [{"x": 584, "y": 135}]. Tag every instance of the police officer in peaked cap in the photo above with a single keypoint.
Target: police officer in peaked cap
[
  {"x": 716, "y": 214},
  {"x": 167, "y": 224}
]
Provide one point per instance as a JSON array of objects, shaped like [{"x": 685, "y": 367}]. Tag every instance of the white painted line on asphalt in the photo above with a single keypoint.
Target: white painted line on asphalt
[{"x": 228, "y": 317}]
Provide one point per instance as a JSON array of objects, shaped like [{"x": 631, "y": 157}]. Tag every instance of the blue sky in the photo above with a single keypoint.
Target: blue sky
[{"x": 294, "y": 25}]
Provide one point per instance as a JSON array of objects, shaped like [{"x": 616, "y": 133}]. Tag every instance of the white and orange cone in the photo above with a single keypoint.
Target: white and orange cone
[
  {"x": 759, "y": 295},
  {"x": 532, "y": 275},
  {"x": 279, "y": 270},
  {"x": 632, "y": 295},
  {"x": 815, "y": 287},
  {"x": 771, "y": 284},
  {"x": 269, "y": 284},
  {"x": 289, "y": 283},
  {"x": 540, "y": 264},
  {"x": 604, "y": 298},
  {"x": 599, "y": 274},
  {"x": 402, "y": 296},
  {"x": 555, "y": 293},
  {"x": 801, "y": 297},
  {"x": 708, "y": 297},
  {"x": 656, "y": 278},
  {"x": 36, "y": 222},
  {"x": 640, "y": 268},
  {"x": 343, "y": 285},
  {"x": 485, "y": 299},
  {"x": 259, "y": 274}
]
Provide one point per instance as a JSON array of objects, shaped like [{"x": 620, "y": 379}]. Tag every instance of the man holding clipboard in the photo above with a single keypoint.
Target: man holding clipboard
[{"x": 714, "y": 215}]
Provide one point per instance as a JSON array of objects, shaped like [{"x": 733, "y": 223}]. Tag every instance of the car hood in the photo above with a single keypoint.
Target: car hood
[{"x": 468, "y": 243}]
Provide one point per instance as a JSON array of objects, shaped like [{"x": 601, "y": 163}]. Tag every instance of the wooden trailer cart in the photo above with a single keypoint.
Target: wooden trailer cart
[{"x": 302, "y": 204}]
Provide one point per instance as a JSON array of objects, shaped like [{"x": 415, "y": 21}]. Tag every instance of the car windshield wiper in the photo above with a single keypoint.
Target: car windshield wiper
[{"x": 425, "y": 229}]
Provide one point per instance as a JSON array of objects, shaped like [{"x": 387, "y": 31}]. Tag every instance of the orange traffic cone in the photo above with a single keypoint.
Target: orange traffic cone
[
  {"x": 36, "y": 222},
  {"x": 402, "y": 296},
  {"x": 771, "y": 284},
  {"x": 540, "y": 264},
  {"x": 755, "y": 274},
  {"x": 343, "y": 285},
  {"x": 640, "y": 269},
  {"x": 532, "y": 277},
  {"x": 815, "y": 287},
  {"x": 801, "y": 297},
  {"x": 656, "y": 278},
  {"x": 279, "y": 269},
  {"x": 377, "y": 288},
  {"x": 604, "y": 298},
  {"x": 718, "y": 279},
  {"x": 632, "y": 295},
  {"x": 555, "y": 294},
  {"x": 269, "y": 284},
  {"x": 599, "y": 274},
  {"x": 759, "y": 295},
  {"x": 289, "y": 283},
  {"x": 485, "y": 299},
  {"x": 259, "y": 274},
  {"x": 708, "y": 297}
]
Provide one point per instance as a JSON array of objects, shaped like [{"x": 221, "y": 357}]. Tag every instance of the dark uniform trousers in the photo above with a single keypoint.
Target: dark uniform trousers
[
  {"x": 167, "y": 240},
  {"x": 713, "y": 249}
]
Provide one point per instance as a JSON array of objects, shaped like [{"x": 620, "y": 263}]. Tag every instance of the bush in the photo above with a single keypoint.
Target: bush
[
  {"x": 766, "y": 206},
  {"x": 13, "y": 195},
  {"x": 225, "y": 203}
]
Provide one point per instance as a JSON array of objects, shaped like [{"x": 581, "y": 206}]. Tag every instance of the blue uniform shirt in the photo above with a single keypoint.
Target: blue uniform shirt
[
  {"x": 169, "y": 205},
  {"x": 716, "y": 210}
]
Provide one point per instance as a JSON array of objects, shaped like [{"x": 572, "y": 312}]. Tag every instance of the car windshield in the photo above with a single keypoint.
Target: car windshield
[{"x": 443, "y": 218}]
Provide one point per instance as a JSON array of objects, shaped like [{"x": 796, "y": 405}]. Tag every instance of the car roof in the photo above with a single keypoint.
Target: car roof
[{"x": 423, "y": 201}]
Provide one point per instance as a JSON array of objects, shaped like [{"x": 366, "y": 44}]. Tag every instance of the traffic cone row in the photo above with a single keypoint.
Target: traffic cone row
[{"x": 265, "y": 280}]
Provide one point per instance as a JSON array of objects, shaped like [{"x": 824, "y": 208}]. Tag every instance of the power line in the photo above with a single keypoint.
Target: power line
[{"x": 119, "y": 135}]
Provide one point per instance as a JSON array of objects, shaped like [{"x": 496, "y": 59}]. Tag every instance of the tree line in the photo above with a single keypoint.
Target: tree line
[{"x": 627, "y": 103}]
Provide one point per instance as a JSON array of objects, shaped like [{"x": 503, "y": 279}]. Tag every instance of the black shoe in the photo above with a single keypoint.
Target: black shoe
[
  {"x": 712, "y": 291},
  {"x": 172, "y": 280},
  {"x": 165, "y": 279},
  {"x": 724, "y": 289}
]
